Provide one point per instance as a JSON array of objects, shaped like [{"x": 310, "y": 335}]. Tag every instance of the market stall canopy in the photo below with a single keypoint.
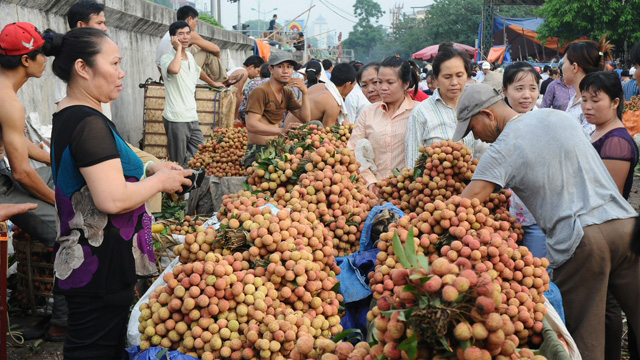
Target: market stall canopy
[{"x": 428, "y": 53}]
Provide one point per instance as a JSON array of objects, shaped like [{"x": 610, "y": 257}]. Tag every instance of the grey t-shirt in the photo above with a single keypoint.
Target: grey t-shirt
[{"x": 545, "y": 159}]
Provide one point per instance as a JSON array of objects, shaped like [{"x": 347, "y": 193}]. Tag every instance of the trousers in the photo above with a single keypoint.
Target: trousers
[
  {"x": 602, "y": 262},
  {"x": 183, "y": 139}
]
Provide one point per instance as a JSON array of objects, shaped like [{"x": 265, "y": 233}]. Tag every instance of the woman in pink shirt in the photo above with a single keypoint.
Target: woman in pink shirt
[{"x": 384, "y": 124}]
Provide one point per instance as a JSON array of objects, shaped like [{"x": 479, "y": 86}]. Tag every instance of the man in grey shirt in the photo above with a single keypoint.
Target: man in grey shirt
[{"x": 543, "y": 157}]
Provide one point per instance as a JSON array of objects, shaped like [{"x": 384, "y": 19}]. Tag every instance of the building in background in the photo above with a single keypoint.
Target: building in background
[
  {"x": 203, "y": 6},
  {"x": 319, "y": 31}
]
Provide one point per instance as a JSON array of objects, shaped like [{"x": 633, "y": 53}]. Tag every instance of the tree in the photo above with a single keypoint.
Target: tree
[
  {"x": 409, "y": 35},
  {"x": 516, "y": 11},
  {"x": 209, "y": 19},
  {"x": 570, "y": 19},
  {"x": 365, "y": 35},
  {"x": 453, "y": 20}
]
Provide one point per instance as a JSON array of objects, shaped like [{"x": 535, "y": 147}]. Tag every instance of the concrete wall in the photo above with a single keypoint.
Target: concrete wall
[{"x": 136, "y": 26}]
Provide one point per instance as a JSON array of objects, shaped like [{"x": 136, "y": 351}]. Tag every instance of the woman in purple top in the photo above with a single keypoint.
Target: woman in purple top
[{"x": 602, "y": 105}]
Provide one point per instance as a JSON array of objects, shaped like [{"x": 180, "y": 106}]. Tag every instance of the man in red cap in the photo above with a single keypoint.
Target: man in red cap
[{"x": 21, "y": 58}]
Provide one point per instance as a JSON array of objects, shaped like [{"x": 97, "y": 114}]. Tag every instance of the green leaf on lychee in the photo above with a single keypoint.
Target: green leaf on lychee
[
  {"x": 423, "y": 301},
  {"x": 246, "y": 186},
  {"x": 410, "y": 248},
  {"x": 396, "y": 173},
  {"x": 161, "y": 353},
  {"x": 399, "y": 251},
  {"x": 465, "y": 344},
  {"x": 350, "y": 334},
  {"x": 336, "y": 287},
  {"x": 410, "y": 346},
  {"x": 410, "y": 288},
  {"x": 445, "y": 343},
  {"x": 424, "y": 262}
]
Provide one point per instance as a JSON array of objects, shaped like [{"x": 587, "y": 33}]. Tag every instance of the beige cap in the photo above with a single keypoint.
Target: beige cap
[{"x": 474, "y": 98}]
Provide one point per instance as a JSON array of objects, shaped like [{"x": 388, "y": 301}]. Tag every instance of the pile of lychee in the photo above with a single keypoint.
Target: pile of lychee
[
  {"x": 222, "y": 155},
  {"x": 253, "y": 300},
  {"x": 336, "y": 136},
  {"x": 440, "y": 172},
  {"x": 474, "y": 245},
  {"x": 325, "y": 182}
]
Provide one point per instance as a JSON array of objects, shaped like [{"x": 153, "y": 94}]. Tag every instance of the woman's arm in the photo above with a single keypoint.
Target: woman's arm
[
  {"x": 618, "y": 169},
  {"x": 112, "y": 194}
]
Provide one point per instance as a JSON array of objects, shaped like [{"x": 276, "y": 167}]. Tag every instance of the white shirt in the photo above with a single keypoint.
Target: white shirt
[
  {"x": 354, "y": 103},
  {"x": 164, "y": 47},
  {"x": 180, "y": 89}
]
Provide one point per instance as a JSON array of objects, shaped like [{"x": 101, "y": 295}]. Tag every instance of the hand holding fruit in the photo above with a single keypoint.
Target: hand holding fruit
[{"x": 173, "y": 180}]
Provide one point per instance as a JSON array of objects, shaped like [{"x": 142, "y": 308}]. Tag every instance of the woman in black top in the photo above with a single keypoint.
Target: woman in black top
[{"x": 100, "y": 190}]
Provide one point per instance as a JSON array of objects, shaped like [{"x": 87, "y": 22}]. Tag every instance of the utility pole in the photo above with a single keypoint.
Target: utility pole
[
  {"x": 219, "y": 12},
  {"x": 239, "y": 19}
]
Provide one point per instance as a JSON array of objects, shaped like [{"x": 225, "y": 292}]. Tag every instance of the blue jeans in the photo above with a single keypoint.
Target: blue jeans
[{"x": 535, "y": 240}]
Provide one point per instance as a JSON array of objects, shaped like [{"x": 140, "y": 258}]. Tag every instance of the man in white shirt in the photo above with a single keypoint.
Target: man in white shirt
[
  {"x": 206, "y": 54},
  {"x": 180, "y": 116}
]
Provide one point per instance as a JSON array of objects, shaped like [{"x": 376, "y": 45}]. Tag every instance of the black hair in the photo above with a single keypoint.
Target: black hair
[
  {"x": 79, "y": 43},
  {"x": 82, "y": 11},
  {"x": 546, "y": 68},
  {"x": 446, "y": 52},
  {"x": 185, "y": 12},
  {"x": 430, "y": 73},
  {"x": 607, "y": 82},
  {"x": 254, "y": 60},
  {"x": 374, "y": 65},
  {"x": 589, "y": 55},
  {"x": 312, "y": 69},
  {"x": 264, "y": 71},
  {"x": 13, "y": 61},
  {"x": 301, "y": 34},
  {"x": 343, "y": 73},
  {"x": 327, "y": 64},
  {"x": 407, "y": 71},
  {"x": 275, "y": 15},
  {"x": 177, "y": 25},
  {"x": 517, "y": 71},
  {"x": 554, "y": 72},
  {"x": 635, "y": 56}
]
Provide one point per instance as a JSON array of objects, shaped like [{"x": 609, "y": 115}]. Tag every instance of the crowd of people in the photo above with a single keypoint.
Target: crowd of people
[{"x": 553, "y": 136}]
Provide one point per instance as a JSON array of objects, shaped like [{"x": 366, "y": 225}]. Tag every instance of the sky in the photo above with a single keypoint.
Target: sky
[{"x": 340, "y": 19}]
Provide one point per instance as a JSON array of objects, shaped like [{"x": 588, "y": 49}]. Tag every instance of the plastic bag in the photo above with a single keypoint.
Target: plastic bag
[
  {"x": 560, "y": 334},
  {"x": 365, "y": 155},
  {"x": 133, "y": 335}
]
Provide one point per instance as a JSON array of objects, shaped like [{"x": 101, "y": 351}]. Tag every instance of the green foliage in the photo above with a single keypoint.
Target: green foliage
[
  {"x": 453, "y": 20},
  {"x": 570, "y": 19},
  {"x": 365, "y": 35},
  {"x": 516, "y": 11},
  {"x": 209, "y": 19}
]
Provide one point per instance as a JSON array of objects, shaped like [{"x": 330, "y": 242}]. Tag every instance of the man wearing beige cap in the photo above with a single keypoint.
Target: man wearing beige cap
[
  {"x": 564, "y": 183},
  {"x": 268, "y": 101}
]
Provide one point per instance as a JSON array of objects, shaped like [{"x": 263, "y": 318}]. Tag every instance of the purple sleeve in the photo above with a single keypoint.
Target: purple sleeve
[
  {"x": 618, "y": 148},
  {"x": 547, "y": 99}
]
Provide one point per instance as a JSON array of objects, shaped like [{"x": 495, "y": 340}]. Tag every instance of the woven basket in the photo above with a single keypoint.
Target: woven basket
[{"x": 216, "y": 108}]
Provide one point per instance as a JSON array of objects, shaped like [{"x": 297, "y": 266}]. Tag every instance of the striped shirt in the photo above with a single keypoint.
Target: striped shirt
[
  {"x": 386, "y": 135},
  {"x": 431, "y": 121}
]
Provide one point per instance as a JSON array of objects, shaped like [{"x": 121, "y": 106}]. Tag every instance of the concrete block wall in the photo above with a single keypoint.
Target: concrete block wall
[{"x": 136, "y": 26}]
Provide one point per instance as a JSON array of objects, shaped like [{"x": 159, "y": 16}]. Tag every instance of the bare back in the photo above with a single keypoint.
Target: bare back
[{"x": 323, "y": 107}]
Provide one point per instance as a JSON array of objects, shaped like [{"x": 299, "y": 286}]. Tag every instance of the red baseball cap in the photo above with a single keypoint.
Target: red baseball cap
[{"x": 20, "y": 38}]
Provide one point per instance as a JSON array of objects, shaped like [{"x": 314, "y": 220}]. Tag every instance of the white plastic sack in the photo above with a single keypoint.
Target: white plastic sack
[
  {"x": 558, "y": 326},
  {"x": 365, "y": 155},
  {"x": 133, "y": 335}
]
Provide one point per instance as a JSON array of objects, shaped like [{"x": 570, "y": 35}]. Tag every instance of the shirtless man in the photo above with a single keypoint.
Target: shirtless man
[
  {"x": 21, "y": 58},
  {"x": 326, "y": 100},
  {"x": 250, "y": 69},
  {"x": 267, "y": 103}
]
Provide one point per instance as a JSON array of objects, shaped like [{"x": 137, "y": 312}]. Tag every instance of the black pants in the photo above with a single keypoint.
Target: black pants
[{"x": 97, "y": 325}]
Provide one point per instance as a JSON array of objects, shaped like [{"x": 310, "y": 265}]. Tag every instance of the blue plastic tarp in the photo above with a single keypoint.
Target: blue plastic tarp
[{"x": 135, "y": 353}]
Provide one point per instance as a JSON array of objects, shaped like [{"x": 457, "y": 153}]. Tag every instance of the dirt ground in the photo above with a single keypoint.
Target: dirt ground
[{"x": 43, "y": 350}]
